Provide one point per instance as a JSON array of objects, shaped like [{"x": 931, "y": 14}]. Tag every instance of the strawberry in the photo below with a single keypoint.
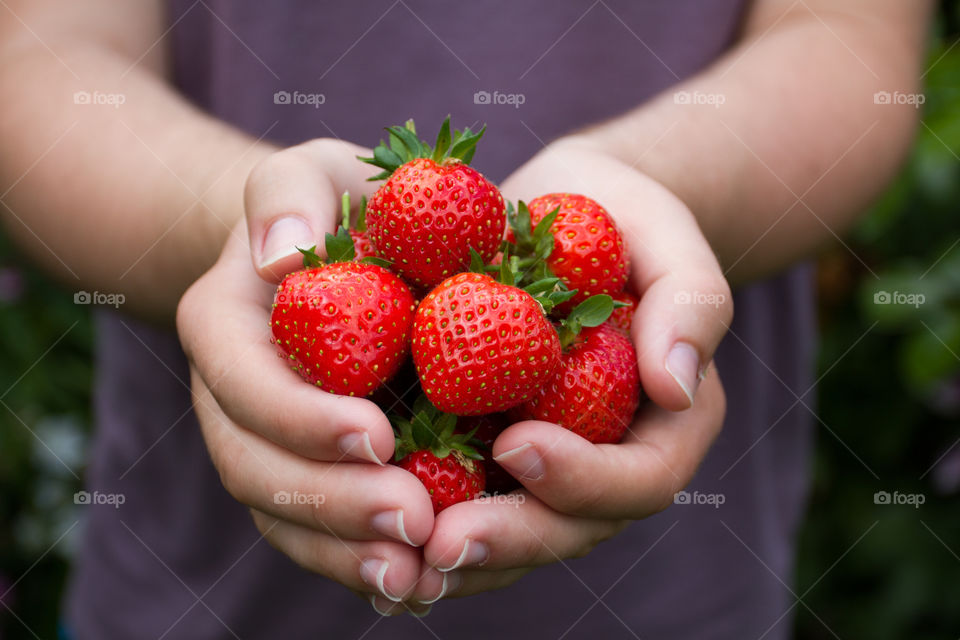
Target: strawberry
[
  {"x": 622, "y": 316},
  {"x": 344, "y": 326},
  {"x": 361, "y": 240},
  {"x": 445, "y": 462},
  {"x": 433, "y": 208},
  {"x": 482, "y": 346},
  {"x": 589, "y": 253},
  {"x": 595, "y": 390},
  {"x": 485, "y": 430},
  {"x": 362, "y": 246}
]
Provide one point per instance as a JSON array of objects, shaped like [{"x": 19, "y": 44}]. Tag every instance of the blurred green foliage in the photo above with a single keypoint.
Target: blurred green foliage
[
  {"x": 891, "y": 404},
  {"x": 45, "y": 376}
]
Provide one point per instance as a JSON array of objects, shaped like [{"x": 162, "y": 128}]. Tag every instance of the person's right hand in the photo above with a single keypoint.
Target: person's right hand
[{"x": 270, "y": 435}]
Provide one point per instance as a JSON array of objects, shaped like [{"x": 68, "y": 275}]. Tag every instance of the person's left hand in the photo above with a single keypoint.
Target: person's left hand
[{"x": 577, "y": 493}]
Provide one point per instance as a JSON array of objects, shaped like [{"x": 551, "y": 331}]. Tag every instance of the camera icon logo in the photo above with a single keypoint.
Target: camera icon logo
[
  {"x": 882, "y": 297},
  {"x": 882, "y": 97},
  {"x": 81, "y": 97},
  {"x": 681, "y": 497},
  {"x": 81, "y": 297},
  {"x": 81, "y": 497},
  {"x": 682, "y": 97},
  {"x": 281, "y": 97},
  {"x": 482, "y": 97},
  {"x": 881, "y": 497},
  {"x": 682, "y": 297},
  {"x": 281, "y": 497}
]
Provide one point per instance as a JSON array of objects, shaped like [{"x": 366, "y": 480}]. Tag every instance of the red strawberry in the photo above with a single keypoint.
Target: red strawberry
[
  {"x": 363, "y": 245},
  {"x": 433, "y": 208},
  {"x": 622, "y": 317},
  {"x": 345, "y": 326},
  {"x": 448, "y": 480},
  {"x": 445, "y": 463},
  {"x": 485, "y": 430},
  {"x": 589, "y": 253},
  {"x": 596, "y": 389},
  {"x": 481, "y": 346}
]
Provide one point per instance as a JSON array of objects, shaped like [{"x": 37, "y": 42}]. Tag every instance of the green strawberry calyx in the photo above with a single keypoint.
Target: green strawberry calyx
[
  {"x": 592, "y": 312},
  {"x": 548, "y": 291},
  {"x": 339, "y": 246},
  {"x": 404, "y": 146},
  {"x": 429, "y": 429}
]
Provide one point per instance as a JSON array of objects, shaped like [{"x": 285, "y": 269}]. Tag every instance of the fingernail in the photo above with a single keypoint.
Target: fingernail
[
  {"x": 282, "y": 239},
  {"x": 385, "y": 612},
  {"x": 422, "y": 614},
  {"x": 390, "y": 523},
  {"x": 451, "y": 582},
  {"x": 474, "y": 554},
  {"x": 357, "y": 444},
  {"x": 524, "y": 462},
  {"x": 683, "y": 363},
  {"x": 373, "y": 571}
]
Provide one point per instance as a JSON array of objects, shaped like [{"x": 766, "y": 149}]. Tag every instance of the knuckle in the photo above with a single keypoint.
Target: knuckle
[
  {"x": 230, "y": 468},
  {"x": 186, "y": 317}
]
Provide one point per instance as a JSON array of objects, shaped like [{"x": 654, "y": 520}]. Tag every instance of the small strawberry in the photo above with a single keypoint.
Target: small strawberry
[
  {"x": 589, "y": 255},
  {"x": 433, "y": 208},
  {"x": 363, "y": 248},
  {"x": 485, "y": 430},
  {"x": 344, "y": 326},
  {"x": 622, "y": 316},
  {"x": 445, "y": 462},
  {"x": 595, "y": 390},
  {"x": 482, "y": 346}
]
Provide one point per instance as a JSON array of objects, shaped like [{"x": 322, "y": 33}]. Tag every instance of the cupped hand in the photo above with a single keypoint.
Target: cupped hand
[{"x": 309, "y": 464}]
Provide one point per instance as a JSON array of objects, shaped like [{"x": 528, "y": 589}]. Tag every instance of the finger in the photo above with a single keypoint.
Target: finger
[
  {"x": 233, "y": 355},
  {"x": 385, "y": 568},
  {"x": 634, "y": 479},
  {"x": 348, "y": 500},
  {"x": 494, "y": 536},
  {"x": 292, "y": 198},
  {"x": 686, "y": 305}
]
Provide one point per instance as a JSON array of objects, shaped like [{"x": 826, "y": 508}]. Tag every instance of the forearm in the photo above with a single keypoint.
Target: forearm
[
  {"x": 797, "y": 148},
  {"x": 135, "y": 199}
]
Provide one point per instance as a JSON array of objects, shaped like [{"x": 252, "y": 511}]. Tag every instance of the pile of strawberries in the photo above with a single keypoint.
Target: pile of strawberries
[{"x": 509, "y": 313}]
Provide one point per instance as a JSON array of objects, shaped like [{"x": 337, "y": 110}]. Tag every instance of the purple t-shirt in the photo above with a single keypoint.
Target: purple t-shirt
[{"x": 181, "y": 559}]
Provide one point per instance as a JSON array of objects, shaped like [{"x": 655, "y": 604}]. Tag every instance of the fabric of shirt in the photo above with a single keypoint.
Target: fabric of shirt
[{"x": 182, "y": 559}]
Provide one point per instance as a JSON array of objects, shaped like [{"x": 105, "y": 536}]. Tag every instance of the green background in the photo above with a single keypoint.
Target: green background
[{"x": 889, "y": 405}]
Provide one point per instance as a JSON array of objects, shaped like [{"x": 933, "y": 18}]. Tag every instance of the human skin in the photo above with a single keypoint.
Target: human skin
[{"x": 157, "y": 187}]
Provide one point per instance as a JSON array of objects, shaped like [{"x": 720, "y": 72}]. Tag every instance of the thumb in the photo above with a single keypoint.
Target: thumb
[
  {"x": 677, "y": 327},
  {"x": 685, "y": 306},
  {"x": 292, "y": 199}
]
